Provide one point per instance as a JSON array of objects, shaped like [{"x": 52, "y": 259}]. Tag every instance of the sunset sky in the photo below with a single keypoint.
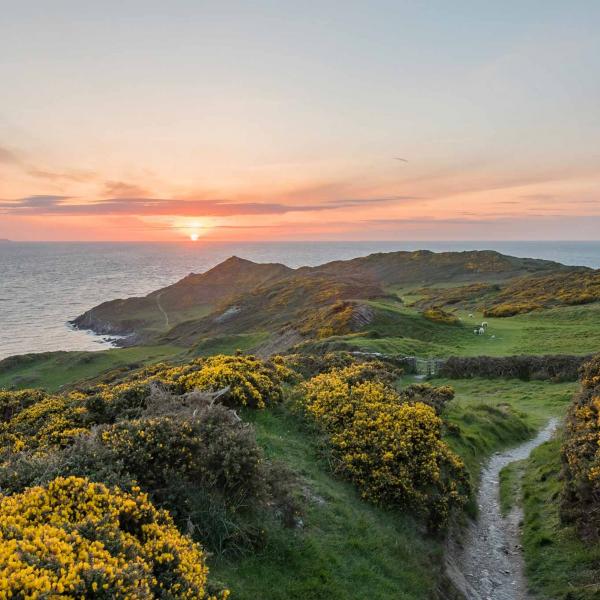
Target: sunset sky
[{"x": 155, "y": 120}]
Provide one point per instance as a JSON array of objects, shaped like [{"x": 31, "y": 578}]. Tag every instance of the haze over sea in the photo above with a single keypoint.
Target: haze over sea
[{"x": 44, "y": 285}]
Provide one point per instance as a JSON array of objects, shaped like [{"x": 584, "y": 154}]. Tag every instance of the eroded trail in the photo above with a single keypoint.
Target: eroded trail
[{"x": 488, "y": 563}]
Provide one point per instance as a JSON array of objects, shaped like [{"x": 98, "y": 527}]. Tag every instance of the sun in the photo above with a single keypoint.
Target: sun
[{"x": 194, "y": 237}]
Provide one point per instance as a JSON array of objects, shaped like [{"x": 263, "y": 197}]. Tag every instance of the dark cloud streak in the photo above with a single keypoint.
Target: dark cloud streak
[{"x": 60, "y": 205}]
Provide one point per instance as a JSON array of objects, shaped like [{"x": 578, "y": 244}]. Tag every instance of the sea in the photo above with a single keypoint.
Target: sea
[{"x": 45, "y": 285}]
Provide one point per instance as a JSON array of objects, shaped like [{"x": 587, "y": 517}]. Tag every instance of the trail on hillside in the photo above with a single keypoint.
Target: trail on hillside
[
  {"x": 162, "y": 310},
  {"x": 487, "y": 564}
]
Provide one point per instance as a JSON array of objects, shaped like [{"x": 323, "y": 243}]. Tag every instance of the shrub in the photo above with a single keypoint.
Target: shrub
[
  {"x": 250, "y": 381},
  {"x": 392, "y": 449},
  {"x": 581, "y": 455},
  {"x": 510, "y": 309},
  {"x": 309, "y": 365},
  {"x": 74, "y": 538},
  {"x": 193, "y": 456},
  {"x": 559, "y": 367},
  {"x": 42, "y": 420},
  {"x": 436, "y": 397},
  {"x": 439, "y": 315}
]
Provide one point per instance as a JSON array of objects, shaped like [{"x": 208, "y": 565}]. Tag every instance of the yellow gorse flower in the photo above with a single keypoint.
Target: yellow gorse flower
[{"x": 75, "y": 539}]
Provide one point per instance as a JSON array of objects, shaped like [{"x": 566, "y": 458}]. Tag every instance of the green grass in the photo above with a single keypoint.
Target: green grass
[
  {"x": 350, "y": 549},
  {"x": 347, "y": 549},
  {"x": 229, "y": 343},
  {"x": 52, "y": 370},
  {"x": 559, "y": 565},
  {"x": 491, "y": 415},
  {"x": 403, "y": 330},
  {"x": 510, "y": 486}
]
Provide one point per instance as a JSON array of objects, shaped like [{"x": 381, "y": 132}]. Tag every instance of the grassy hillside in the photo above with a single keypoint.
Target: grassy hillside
[
  {"x": 405, "y": 330},
  {"x": 560, "y": 565},
  {"x": 242, "y": 297},
  {"x": 345, "y": 547},
  {"x": 52, "y": 370}
]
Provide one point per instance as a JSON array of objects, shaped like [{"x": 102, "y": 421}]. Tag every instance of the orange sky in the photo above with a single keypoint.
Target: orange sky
[{"x": 272, "y": 121}]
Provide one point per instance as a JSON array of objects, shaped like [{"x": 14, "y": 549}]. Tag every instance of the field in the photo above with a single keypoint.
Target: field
[
  {"x": 403, "y": 330},
  {"x": 345, "y": 547}
]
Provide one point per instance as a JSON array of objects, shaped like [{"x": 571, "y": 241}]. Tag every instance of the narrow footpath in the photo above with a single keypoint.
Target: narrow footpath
[{"x": 487, "y": 564}]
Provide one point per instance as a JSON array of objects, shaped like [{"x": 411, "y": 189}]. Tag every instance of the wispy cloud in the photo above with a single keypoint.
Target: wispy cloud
[
  {"x": 123, "y": 189},
  {"x": 17, "y": 160},
  {"x": 8, "y": 156},
  {"x": 65, "y": 206}
]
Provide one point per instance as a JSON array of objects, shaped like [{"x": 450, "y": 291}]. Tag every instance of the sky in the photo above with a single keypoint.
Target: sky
[{"x": 259, "y": 120}]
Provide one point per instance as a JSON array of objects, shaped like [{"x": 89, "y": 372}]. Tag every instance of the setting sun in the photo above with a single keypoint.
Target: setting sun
[{"x": 194, "y": 237}]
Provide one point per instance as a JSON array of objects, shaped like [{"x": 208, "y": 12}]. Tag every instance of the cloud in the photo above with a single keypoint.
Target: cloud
[
  {"x": 77, "y": 176},
  {"x": 347, "y": 202},
  {"x": 140, "y": 206},
  {"x": 8, "y": 157},
  {"x": 122, "y": 189}
]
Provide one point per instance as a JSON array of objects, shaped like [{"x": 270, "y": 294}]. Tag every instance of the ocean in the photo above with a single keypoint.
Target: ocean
[{"x": 44, "y": 285}]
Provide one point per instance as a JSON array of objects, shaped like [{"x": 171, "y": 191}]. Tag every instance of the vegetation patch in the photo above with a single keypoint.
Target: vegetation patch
[
  {"x": 439, "y": 315},
  {"x": 581, "y": 455},
  {"x": 390, "y": 446},
  {"x": 553, "y": 367},
  {"x": 75, "y": 538},
  {"x": 559, "y": 563}
]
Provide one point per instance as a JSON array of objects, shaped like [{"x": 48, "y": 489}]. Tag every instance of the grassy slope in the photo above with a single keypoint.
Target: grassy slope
[
  {"x": 559, "y": 565},
  {"x": 51, "y": 370},
  {"x": 347, "y": 548},
  {"x": 496, "y": 414},
  {"x": 401, "y": 329}
]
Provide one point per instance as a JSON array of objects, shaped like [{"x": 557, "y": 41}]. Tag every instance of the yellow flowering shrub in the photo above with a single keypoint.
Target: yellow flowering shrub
[
  {"x": 390, "y": 447},
  {"x": 77, "y": 539},
  {"x": 32, "y": 419},
  {"x": 581, "y": 454},
  {"x": 251, "y": 381},
  {"x": 43, "y": 420}
]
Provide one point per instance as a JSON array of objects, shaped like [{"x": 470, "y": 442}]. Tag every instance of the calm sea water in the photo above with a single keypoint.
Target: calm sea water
[{"x": 44, "y": 285}]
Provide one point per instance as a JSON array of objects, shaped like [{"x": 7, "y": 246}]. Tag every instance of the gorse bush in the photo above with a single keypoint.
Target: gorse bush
[
  {"x": 581, "y": 455},
  {"x": 34, "y": 419},
  {"x": 390, "y": 446},
  {"x": 249, "y": 381},
  {"x": 439, "y": 315},
  {"x": 511, "y": 308},
  {"x": 309, "y": 365},
  {"x": 435, "y": 396},
  {"x": 73, "y": 538},
  {"x": 545, "y": 291},
  {"x": 190, "y": 453}
]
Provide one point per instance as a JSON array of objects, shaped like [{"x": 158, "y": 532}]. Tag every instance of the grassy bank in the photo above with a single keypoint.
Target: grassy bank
[
  {"x": 52, "y": 370},
  {"x": 345, "y": 548},
  {"x": 403, "y": 330},
  {"x": 350, "y": 549},
  {"x": 559, "y": 565},
  {"x": 489, "y": 415}
]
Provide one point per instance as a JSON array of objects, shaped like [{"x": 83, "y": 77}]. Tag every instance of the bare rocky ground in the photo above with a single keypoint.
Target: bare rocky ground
[{"x": 487, "y": 562}]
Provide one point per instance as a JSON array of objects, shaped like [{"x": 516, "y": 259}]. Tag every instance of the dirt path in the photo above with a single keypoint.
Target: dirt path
[
  {"x": 488, "y": 562},
  {"x": 162, "y": 310}
]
